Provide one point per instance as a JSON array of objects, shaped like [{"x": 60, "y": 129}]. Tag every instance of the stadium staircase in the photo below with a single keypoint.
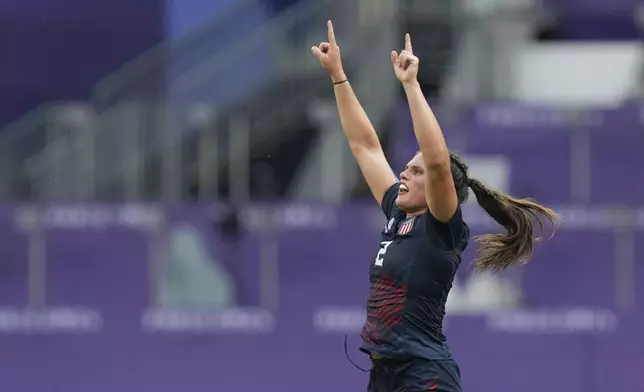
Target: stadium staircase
[{"x": 197, "y": 115}]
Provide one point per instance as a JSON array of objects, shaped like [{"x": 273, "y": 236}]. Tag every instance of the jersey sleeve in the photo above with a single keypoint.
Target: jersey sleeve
[
  {"x": 451, "y": 234},
  {"x": 388, "y": 203}
]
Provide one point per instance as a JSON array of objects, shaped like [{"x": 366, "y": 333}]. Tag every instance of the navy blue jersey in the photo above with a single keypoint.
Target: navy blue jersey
[{"x": 410, "y": 278}]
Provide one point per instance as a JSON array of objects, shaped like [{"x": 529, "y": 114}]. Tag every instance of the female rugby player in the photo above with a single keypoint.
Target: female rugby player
[{"x": 422, "y": 242}]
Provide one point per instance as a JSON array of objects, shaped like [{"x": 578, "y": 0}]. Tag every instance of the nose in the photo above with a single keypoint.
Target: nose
[{"x": 403, "y": 175}]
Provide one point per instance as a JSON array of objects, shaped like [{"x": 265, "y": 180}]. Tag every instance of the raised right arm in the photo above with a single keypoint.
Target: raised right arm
[
  {"x": 363, "y": 141},
  {"x": 359, "y": 131}
]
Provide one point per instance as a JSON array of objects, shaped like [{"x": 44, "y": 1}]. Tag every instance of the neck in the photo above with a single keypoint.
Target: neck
[{"x": 416, "y": 213}]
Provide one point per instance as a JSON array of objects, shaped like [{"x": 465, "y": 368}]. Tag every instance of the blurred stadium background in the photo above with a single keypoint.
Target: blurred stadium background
[{"x": 181, "y": 211}]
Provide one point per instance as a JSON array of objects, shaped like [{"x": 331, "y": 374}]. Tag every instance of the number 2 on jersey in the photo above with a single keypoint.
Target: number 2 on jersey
[{"x": 380, "y": 257}]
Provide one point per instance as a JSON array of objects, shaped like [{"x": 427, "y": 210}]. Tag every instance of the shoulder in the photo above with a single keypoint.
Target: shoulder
[
  {"x": 452, "y": 235},
  {"x": 388, "y": 202}
]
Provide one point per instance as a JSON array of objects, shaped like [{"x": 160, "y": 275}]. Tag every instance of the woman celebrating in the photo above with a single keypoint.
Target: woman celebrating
[{"x": 421, "y": 245}]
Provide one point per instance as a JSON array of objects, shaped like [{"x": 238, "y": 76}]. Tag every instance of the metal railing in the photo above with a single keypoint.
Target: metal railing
[
  {"x": 42, "y": 154},
  {"x": 153, "y": 113},
  {"x": 231, "y": 82}
]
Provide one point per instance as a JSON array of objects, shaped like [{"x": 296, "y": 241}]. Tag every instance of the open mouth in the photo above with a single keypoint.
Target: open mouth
[{"x": 403, "y": 189}]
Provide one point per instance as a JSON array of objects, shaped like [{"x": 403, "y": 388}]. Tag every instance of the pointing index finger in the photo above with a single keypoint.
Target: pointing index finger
[
  {"x": 331, "y": 32},
  {"x": 408, "y": 43}
]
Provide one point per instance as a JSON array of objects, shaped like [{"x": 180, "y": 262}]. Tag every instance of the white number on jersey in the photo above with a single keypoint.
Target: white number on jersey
[{"x": 380, "y": 257}]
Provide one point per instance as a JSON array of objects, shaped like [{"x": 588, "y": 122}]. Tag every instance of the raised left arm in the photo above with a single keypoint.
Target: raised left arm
[{"x": 440, "y": 192}]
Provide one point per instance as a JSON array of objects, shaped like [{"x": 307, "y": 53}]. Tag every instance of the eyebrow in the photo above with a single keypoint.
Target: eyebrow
[{"x": 413, "y": 166}]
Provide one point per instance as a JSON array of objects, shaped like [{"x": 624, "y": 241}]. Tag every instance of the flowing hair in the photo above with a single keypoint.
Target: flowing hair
[{"x": 519, "y": 218}]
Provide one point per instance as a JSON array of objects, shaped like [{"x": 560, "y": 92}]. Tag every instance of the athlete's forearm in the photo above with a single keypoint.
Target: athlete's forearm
[
  {"x": 428, "y": 132},
  {"x": 355, "y": 123}
]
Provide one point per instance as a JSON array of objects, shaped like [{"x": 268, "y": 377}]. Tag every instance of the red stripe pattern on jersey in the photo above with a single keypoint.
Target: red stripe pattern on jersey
[{"x": 385, "y": 307}]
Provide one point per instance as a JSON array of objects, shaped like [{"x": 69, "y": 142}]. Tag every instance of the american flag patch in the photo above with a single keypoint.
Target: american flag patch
[{"x": 406, "y": 226}]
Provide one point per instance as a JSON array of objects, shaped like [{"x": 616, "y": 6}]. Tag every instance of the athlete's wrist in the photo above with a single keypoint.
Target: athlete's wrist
[
  {"x": 338, "y": 77},
  {"x": 411, "y": 85}
]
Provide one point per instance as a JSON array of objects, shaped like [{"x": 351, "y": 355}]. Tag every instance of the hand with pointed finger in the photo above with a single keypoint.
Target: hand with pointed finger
[
  {"x": 329, "y": 55},
  {"x": 405, "y": 63}
]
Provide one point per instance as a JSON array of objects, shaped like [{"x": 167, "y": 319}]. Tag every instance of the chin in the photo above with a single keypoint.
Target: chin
[
  {"x": 401, "y": 202},
  {"x": 407, "y": 206}
]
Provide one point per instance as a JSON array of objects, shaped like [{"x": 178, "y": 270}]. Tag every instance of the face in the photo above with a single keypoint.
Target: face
[{"x": 411, "y": 195}]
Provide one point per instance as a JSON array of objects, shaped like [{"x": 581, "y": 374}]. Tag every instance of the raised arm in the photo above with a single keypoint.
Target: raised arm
[
  {"x": 359, "y": 131},
  {"x": 439, "y": 185}
]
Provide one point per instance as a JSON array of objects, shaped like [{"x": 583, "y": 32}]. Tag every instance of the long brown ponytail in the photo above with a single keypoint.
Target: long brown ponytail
[{"x": 517, "y": 216}]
